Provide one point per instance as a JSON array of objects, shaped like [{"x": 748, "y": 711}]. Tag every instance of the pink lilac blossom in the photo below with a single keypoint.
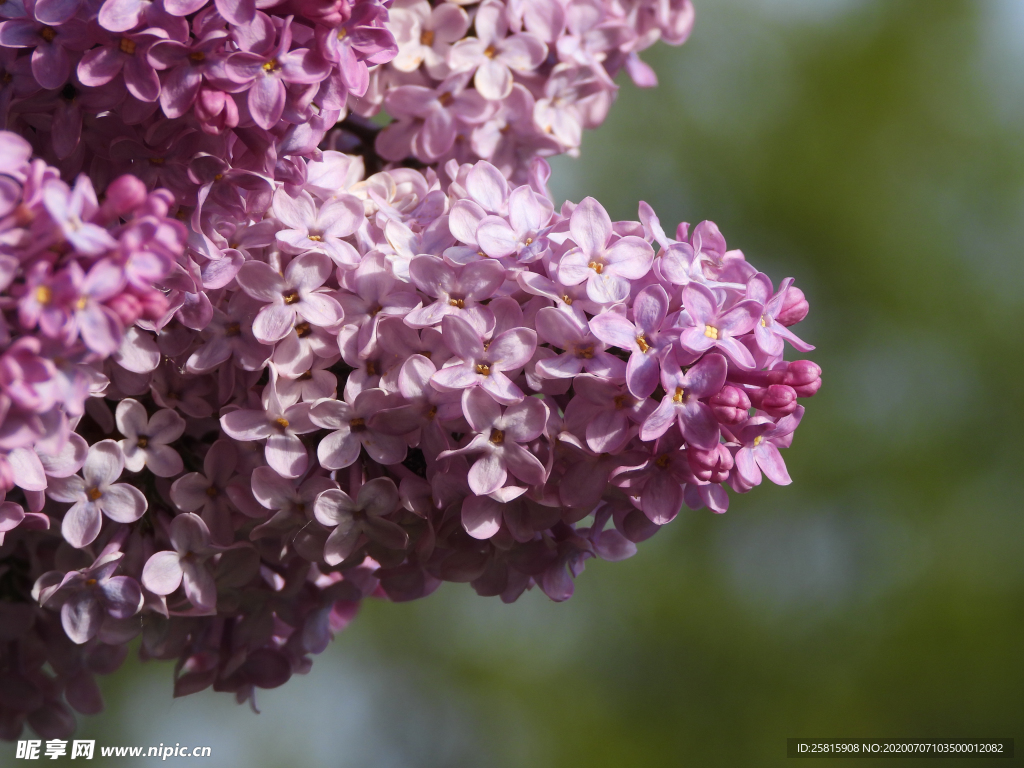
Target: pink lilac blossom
[{"x": 254, "y": 368}]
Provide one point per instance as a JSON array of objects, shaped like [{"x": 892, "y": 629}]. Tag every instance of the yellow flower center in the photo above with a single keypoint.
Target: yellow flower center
[
  {"x": 44, "y": 295},
  {"x": 232, "y": 329},
  {"x": 567, "y": 299},
  {"x": 427, "y": 38},
  {"x": 282, "y": 422},
  {"x": 586, "y": 352},
  {"x": 316, "y": 238},
  {"x": 127, "y": 46},
  {"x": 272, "y": 66},
  {"x": 302, "y": 330},
  {"x": 211, "y": 492},
  {"x": 91, "y": 582},
  {"x": 641, "y": 342},
  {"x": 82, "y": 302},
  {"x": 711, "y": 332},
  {"x": 483, "y": 369},
  {"x": 459, "y": 303},
  {"x": 197, "y": 56},
  {"x": 679, "y": 396},
  {"x": 763, "y": 323},
  {"x": 48, "y": 34},
  {"x": 596, "y": 266},
  {"x": 662, "y": 461},
  {"x": 94, "y": 494},
  {"x": 291, "y": 298},
  {"x": 357, "y": 425},
  {"x": 490, "y": 52},
  {"x": 143, "y": 441},
  {"x": 497, "y": 436},
  {"x": 757, "y": 440}
]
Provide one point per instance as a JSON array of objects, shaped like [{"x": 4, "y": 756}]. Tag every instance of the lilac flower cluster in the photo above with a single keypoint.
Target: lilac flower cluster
[
  {"x": 525, "y": 83},
  {"x": 272, "y": 371},
  {"x": 76, "y": 277},
  {"x": 152, "y": 86}
]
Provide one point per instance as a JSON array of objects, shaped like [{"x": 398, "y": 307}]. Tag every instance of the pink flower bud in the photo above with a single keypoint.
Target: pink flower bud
[
  {"x": 777, "y": 401},
  {"x": 804, "y": 376},
  {"x": 154, "y": 305},
  {"x": 124, "y": 195},
  {"x": 794, "y": 308},
  {"x": 731, "y": 405},
  {"x": 713, "y": 465},
  {"x": 127, "y": 307}
]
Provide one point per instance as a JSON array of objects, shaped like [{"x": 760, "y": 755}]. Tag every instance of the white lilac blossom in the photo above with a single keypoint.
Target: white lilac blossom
[{"x": 261, "y": 359}]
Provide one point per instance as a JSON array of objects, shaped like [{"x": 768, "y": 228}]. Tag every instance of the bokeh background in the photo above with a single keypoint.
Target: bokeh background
[{"x": 875, "y": 151}]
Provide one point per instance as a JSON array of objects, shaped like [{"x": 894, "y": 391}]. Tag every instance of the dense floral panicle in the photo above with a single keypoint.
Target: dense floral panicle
[{"x": 254, "y": 369}]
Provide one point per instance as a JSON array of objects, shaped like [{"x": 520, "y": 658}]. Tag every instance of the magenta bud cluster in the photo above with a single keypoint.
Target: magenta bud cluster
[{"x": 257, "y": 365}]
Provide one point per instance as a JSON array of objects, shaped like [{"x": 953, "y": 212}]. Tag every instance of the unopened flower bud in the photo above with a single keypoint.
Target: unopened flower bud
[
  {"x": 777, "y": 400},
  {"x": 730, "y": 405},
  {"x": 124, "y": 195},
  {"x": 794, "y": 308},
  {"x": 804, "y": 377},
  {"x": 154, "y": 305},
  {"x": 127, "y": 307},
  {"x": 710, "y": 466}
]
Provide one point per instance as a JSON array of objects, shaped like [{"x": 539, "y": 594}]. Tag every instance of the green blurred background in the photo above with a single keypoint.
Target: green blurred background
[{"x": 874, "y": 151}]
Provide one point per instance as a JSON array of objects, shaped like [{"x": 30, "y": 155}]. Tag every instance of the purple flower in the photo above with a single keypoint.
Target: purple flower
[
  {"x": 682, "y": 402},
  {"x": 354, "y": 428},
  {"x": 292, "y": 506},
  {"x": 493, "y": 53},
  {"x": 648, "y": 339},
  {"x": 523, "y": 233},
  {"x": 352, "y": 519},
  {"x": 298, "y": 291},
  {"x": 498, "y": 437},
  {"x": 264, "y": 68},
  {"x": 125, "y": 55},
  {"x": 425, "y": 35},
  {"x": 145, "y": 442},
  {"x": 320, "y": 230},
  {"x": 165, "y": 571},
  {"x": 760, "y": 440},
  {"x": 439, "y": 114},
  {"x": 479, "y": 364},
  {"x": 713, "y": 327},
  {"x": 86, "y": 596},
  {"x": 184, "y": 66},
  {"x": 424, "y": 408},
  {"x": 69, "y": 208},
  {"x": 280, "y": 426},
  {"x": 51, "y": 62},
  {"x": 457, "y": 290},
  {"x": 375, "y": 295},
  {"x": 606, "y": 265},
  {"x": 209, "y": 491},
  {"x": 96, "y": 492},
  {"x": 769, "y": 333},
  {"x": 582, "y": 350},
  {"x": 605, "y": 413},
  {"x": 228, "y": 337}
]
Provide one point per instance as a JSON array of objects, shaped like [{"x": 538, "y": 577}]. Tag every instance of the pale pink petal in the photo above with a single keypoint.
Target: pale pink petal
[
  {"x": 123, "y": 503},
  {"x": 81, "y": 524}
]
